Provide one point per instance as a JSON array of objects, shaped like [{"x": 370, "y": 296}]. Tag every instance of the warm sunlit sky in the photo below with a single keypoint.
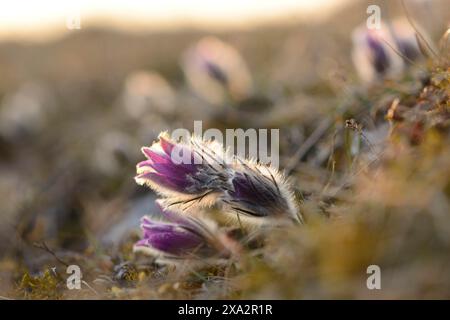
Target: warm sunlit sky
[{"x": 43, "y": 18}]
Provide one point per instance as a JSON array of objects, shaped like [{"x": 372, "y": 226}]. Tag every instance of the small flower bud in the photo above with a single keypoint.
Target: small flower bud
[
  {"x": 216, "y": 71},
  {"x": 261, "y": 194}
]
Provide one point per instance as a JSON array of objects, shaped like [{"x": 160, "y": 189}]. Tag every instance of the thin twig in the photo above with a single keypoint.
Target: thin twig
[
  {"x": 402, "y": 55},
  {"x": 44, "y": 247},
  {"x": 417, "y": 31}
]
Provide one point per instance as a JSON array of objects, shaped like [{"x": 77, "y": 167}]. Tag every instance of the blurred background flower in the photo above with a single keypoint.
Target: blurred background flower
[
  {"x": 372, "y": 54},
  {"x": 217, "y": 72},
  {"x": 147, "y": 92},
  {"x": 25, "y": 111}
]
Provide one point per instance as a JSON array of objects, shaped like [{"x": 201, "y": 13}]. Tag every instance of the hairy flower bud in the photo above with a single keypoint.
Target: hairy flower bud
[{"x": 261, "y": 194}]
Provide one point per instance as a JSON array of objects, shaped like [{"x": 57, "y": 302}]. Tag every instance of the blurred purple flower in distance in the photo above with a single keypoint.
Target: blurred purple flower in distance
[
  {"x": 372, "y": 56},
  {"x": 216, "y": 71}
]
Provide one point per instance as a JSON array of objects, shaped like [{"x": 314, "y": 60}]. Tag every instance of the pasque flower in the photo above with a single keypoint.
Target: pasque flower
[
  {"x": 387, "y": 51},
  {"x": 238, "y": 187},
  {"x": 216, "y": 71},
  {"x": 195, "y": 170},
  {"x": 261, "y": 194},
  {"x": 181, "y": 237},
  {"x": 372, "y": 55}
]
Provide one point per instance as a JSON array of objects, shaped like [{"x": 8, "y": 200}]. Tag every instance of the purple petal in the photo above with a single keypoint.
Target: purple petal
[
  {"x": 156, "y": 227},
  {"x": 154, "y": 156},
  {"x": 380, "y": 58},
  {"x": 166, "y": 145},
  {"x": 163, "y": 164},
  {"x": 146, "y": 163},
  {"x": 171, "y": 182},
  {"x": 142, "y": 243},
  {"x": 170, "y": 169},
  {"x": 146, "y": 220},
  {"x": 172, "y": 239},
  {"x": 215, "y": 72}
]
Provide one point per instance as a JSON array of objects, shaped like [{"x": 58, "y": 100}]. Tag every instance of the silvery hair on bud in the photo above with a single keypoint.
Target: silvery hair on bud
[{"x": 260, "y": 195}]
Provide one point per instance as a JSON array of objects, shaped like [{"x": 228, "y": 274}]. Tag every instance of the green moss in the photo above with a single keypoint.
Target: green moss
[{"x": 44, "y": 286}]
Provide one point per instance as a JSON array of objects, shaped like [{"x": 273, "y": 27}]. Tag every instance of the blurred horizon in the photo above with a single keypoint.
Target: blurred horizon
[{"x": 48, "y": 19}]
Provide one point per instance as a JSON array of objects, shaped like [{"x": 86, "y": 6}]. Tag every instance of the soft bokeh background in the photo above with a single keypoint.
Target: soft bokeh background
[{"x": 72, "y": 119}]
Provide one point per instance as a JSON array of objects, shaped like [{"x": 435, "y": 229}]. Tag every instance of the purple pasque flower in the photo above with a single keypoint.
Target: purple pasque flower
[
  {"x": 182, "y": 237},
  {"x": 374, "y": 53},
  {"x": 188, "y": 171},
  {"x": 261, "y": 194},
  {"x": 379, "y": 54},
  {"x": 406, "y": 39},
  {"x": 216, "y": 71},
  {"x": 168, "y": 238}
]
